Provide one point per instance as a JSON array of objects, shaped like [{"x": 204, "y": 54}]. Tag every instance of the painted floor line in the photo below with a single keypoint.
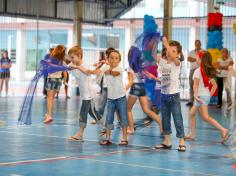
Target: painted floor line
[
  {"x": 89, "y": 140},
  {"x": 33, "y": 161},
  {"x": 22, "y": 162},
  {"x": 150, "y": 167}
]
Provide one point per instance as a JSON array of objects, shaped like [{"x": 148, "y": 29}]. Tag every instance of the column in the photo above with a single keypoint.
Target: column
[
  {"x": 20, "y": 55},
  {"x": 167, "y": 23},
  {"x": 77, "y": 25}
]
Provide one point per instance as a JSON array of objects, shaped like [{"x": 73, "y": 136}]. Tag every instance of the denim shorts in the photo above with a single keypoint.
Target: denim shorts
[
  {"x": 118, "y": 105},
  {"x": 54, "y": 84},
  {"x": 138, "y": 90},
  {"x": 205, "y": 101}
]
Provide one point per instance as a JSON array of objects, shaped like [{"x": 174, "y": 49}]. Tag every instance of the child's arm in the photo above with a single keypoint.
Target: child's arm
[
  {"x": 214, "y": 87},
  {"x": 167, "y": 46},
  {"x": 191, "y": 59},
  {"x": 96, "y": 71},
  {"x": 195, "y": 89},
  {"x": 130, "y": 81},
  {"x": 82, "y": 69},
  {"x": 151, "y": 76},
  {"x": 113, "y": 73}
]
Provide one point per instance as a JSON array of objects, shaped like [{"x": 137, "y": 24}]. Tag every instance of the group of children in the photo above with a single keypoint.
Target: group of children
[{"x": 113, "y": 93}]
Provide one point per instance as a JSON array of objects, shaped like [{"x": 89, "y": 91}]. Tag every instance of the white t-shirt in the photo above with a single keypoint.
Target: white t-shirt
[
  {"x": 85, "y": 84},
  {"x": 202, "y": 90},
  {"x": 193, "y": 54},
  {"x": 223, "y": 73},
  {"x": 170, "y": 83},
  {"x": 115, "y": 86},
  {"x": 136, "y": 76},
  {"x": 55, "y": 75},
  {"x": 158, "y": 84}
]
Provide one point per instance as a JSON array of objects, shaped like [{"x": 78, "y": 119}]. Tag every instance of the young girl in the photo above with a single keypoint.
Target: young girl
[
  {"x": 86, "y": 93},
  {"x": 203, "y": 77},
  {"x": 138, "y": 91},
  {"x": 116, "y": 97},
  {"x": 170, "y": 97},
  {"x": 54, "y": 81}
]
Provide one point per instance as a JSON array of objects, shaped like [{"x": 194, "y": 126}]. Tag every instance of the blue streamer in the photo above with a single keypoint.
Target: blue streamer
[{"x": 47, "y": 65}]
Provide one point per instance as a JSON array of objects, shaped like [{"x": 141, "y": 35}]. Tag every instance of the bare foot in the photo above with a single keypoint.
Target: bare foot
[
  {"x": 189, "y": 137},
  {"x": 225, "y": 136},
  {"x": 129, "y": 131}
]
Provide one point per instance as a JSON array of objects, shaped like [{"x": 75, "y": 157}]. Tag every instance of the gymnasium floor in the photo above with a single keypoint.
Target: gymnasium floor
[{"x": 43, "y": 150}]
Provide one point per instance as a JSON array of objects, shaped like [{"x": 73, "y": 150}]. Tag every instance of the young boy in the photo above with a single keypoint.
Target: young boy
[
  {"x": 83, "y": 77},
  {"x": 116, "y": 98},
  {"x": 170, "y": 95}
]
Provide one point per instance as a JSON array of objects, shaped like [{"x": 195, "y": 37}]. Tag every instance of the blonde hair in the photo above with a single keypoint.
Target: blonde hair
[
  {"x": 76, "y": 50},
  {"x": 58, "y": 52}
]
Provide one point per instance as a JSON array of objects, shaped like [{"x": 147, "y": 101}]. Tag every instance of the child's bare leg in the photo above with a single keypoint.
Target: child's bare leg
[
  {"x": 108, "y": 135},
  {"x": 80, "y": 133},
  {"x": 124, "y": 133},
  {"x": 144, "y": 104},
  {"x": 204, "y": 113},
  {"x": 131, "y": 102},
  {"x": 167, "y": 140},
  {"x": 192, "y": 123}
]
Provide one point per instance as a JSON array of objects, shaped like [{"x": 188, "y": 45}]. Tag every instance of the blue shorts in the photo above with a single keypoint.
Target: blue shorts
[
  {"x": 138, "y": 90},
  {"x": 54, "y": 84},
  {"x": 205, "y": 99},
  {"x": 118, "y": 105}
]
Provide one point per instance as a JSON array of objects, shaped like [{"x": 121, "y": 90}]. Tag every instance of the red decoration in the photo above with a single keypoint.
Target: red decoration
[{"x": 215, "y": 19}]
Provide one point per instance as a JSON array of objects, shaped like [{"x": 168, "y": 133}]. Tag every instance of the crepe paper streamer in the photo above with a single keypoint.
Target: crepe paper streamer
[
  {"x": 47, "y": 65},
  {"x": 135, "y": 59}
]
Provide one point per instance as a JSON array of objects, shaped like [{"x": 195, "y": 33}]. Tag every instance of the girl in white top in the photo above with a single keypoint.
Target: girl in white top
[
  {"x": 54, "y": 82},
  {"x": 203, "y": 77}
]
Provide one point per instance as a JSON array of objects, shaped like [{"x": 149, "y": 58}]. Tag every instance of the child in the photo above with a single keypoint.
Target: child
[
  {"x": 202, "y": 77},
  {"x": 116, "y": 97},
  {"x": 137, "y": 91},
  {"x": 170, "y": 95},
  {"x": 54, "y": 82},
  {"x": 85, "y": 87}
]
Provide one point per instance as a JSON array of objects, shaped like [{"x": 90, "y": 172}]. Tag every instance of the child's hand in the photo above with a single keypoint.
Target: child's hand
[
  {"x": 108, "y": 72},
  {"x": 165, "y": 41},
  {"x": 198, "y": 99},
  {"x": 149, "y": 75},
  {"x": 89, "y": 71},
  {"x": 73, "y": 67}
]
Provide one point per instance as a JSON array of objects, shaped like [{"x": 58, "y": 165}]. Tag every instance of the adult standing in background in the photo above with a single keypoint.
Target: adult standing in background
[
  {"x": 224, "y": 79},
  {"x": 5, "y": 65},
  {"x": 192, "y": 58}
]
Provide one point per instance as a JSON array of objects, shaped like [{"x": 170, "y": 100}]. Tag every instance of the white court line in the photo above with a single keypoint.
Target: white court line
[
  {"x": 89, "y": 140},
  {"x": 33, "y": 161},
  {"x": 149, "y": 167}
]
